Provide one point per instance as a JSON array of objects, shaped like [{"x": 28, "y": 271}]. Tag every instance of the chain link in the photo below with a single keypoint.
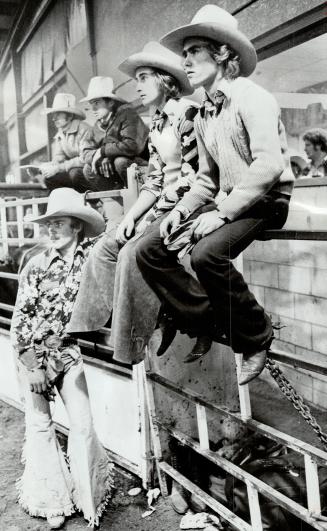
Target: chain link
[{"x": 288, "y": 390}]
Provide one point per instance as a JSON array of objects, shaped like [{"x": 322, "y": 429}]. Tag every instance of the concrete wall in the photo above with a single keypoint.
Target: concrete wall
[{"x": 289, "y": 279}]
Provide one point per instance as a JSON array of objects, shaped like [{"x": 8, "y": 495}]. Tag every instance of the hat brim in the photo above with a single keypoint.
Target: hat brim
[
  {"x": 94, "y": 223},
  {"x": 137, "y": 60},
  {"x": 69, "y": 110},
  {"x": 174, "y": 40},
  {"x": 97, "y": 96}
]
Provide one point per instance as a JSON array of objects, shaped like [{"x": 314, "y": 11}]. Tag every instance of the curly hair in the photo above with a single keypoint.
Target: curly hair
[
  {"x": 169, "y": 85},
  {"x": 224, "y": 55},
  {"x": 317, "y": 137}
]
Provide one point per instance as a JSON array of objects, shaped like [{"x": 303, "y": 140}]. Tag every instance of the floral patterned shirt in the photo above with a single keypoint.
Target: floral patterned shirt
[{"x": 47, "y": 290}]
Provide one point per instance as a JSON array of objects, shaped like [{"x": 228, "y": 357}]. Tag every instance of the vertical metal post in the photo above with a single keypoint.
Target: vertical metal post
[{"x": 36, "y": 226}]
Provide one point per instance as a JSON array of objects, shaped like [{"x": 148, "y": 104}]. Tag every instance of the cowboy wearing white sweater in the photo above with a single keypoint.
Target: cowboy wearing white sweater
[{"x": 243, "y": 186}]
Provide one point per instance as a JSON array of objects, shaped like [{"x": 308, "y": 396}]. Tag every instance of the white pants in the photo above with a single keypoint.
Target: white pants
[{"x": 50, "y": 487}]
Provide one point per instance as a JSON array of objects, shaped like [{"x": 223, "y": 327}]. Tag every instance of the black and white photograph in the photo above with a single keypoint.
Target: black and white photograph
[{"x": 163, "y": 265}]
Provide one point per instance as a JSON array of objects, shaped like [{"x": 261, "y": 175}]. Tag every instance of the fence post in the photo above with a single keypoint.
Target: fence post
[
  {"x": 312, "y": 483},
  {"x": 3, "y": 218}
]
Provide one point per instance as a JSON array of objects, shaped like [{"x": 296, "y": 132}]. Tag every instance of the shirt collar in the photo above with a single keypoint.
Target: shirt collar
[
  {"x": 71, "y": 129},
  {"x": 52, "y": 254},
  {"x": 169, "y": 110}
]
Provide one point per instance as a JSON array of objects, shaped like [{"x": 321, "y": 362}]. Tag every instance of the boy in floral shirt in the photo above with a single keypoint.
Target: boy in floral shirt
[{"x": 48, "y": 359}]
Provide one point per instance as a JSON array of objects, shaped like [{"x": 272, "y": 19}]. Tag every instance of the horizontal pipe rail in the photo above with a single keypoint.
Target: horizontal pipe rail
[
  {"x": 291, "y": 442},
  {"x": 229, "y": 467}
]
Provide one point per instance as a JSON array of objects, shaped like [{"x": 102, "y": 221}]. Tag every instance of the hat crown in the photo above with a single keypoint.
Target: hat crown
[
  {"x": 65, "y": 199},
  {"x": 100, "y": 86},
  {"x": 215, "y": 14},
  {"x": 62, "y": 100},
  {"x": 155, "y": 48}
]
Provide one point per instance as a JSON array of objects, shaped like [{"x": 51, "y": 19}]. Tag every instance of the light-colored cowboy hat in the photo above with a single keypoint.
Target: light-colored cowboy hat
[
  {"x": 298, "y": 158},
  {"x": 64, "y": 103},
  {"x": 101, "y": 87},
  {"x": 213, "y": 22},
  {"x": 155, "y": 55},
  {"x": 68, "y": 202}
]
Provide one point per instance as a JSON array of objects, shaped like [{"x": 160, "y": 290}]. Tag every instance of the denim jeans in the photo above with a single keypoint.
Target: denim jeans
[
  {"x": 220, "y": 290},
  {"x": 48, "y": 487}
]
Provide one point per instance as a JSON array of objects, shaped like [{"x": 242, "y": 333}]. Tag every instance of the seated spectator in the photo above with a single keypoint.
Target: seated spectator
[
  {"x": 298, "y": 164},
  {"x": 315, "y": 146},
  {"x": 66, "y": 167},
  {"x": 117, "y": 139}
]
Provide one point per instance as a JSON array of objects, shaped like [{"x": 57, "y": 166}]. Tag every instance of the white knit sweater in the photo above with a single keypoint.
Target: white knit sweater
[{"x": 242, "y": 151}]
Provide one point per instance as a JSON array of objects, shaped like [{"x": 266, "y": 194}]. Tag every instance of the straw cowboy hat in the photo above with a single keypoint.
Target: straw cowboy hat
[
  {"x": 157, "y": 56},
  {"x": 101, "y": 87},
  {"x": 64, "y": 103},
  {"x": 215, "y": 23},
  {"x": 68, "y": 202}
]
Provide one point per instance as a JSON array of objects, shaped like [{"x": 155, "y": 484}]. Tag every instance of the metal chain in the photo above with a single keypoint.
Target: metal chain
[{"x": 297, "y": 401}]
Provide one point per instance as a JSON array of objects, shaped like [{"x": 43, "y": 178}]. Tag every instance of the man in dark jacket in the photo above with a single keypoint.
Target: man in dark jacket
[{"x": 117, "y": 139}]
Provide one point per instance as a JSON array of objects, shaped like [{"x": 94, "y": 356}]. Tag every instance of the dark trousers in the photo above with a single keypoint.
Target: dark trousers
[
  {"x": 111, "y": 174},
  {"x": 74, "y": 178},
  {"x": 221, "y": 291}
]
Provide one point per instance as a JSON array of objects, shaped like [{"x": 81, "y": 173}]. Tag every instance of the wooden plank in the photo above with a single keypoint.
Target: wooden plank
[
  {"x": 276, "y": 435},
  {"x": 202, "y": 426},
  {"x": 312, "y": 482},
  {"x": 3, "y": 225},
  {"x": 254, "y": 506},
  {"x": 296, "y": 362},
  {"x": 219, "y": 508},
  {"x": 285, "y": 234},
  {"x": 7, "y": 307},
  {"x": 155, "y": 433},
  {"x": 146, "y": 466},
  {"x": 243, "y": 391},
  {"x": 12, "y": 276},
  {"x": 239, "y": 473},
  {"x": 20, "y": 225}
]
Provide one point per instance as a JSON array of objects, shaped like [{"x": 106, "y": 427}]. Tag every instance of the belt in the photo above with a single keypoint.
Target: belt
[{"x": 54, "y": 341}]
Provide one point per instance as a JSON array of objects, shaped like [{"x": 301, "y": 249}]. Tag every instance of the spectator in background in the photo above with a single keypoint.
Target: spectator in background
[
  {"x": 315, "y": 146},
  {"x": 66, "y": 167},
  {"x": 298, "y": 164},
  {"x": 117, "y": 139}
]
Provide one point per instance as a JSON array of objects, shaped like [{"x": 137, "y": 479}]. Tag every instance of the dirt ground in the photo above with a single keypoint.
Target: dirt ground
[{"x": 124, "y": 512}]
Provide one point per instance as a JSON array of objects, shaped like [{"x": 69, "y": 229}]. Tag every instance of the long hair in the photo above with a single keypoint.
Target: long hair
[
  {"x": 168, "y": 84},
  {"x": 225, "y": 56},
  {"x": 317, "y": 137}
]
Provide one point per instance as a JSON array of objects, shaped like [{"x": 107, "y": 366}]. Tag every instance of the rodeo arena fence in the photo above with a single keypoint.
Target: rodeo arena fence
[{"x": 136, "y": 443}]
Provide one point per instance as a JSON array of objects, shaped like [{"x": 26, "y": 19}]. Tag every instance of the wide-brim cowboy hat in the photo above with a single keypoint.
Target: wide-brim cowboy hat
[
  {"x": 67, "y": 202},
  {"x": 154, "y": 55},
  {"x": 298, "y": 158},
  {"x": 101, "y": 87},
  {"x": 213, "y": 22},
  {"x": 64, "y": 103}
]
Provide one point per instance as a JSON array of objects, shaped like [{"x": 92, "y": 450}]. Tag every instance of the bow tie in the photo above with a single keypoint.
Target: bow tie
[
  {"x": 158, "y": 121},
  {"x": 213, "y": 107}
]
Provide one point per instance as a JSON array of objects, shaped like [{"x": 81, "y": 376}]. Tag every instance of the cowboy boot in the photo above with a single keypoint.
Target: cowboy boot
[
  {"x": 178, "y": 496},
  {"x": 56, "y": 522},
  {"x": 168, "y": 331},
  {"x": 201, "y": 347},
  {"x": 252, "y": 366}
]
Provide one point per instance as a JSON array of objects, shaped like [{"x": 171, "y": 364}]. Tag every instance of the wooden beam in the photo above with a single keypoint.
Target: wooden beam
[
  {"x": 268, "y": 431},
  {"x": 262, "y": 487},
  {"x": 224, "y": 512}
]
